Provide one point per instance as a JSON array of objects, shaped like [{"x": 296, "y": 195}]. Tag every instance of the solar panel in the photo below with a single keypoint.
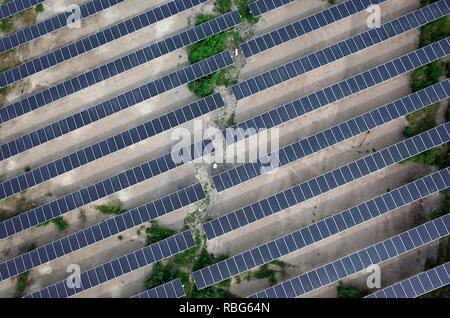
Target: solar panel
[
  {"x": 111, "y": 144},
  {"x": 331, "y": 136},
  {"x": 15, "y": 6},
  {"x": 101, "y": 189},
  {"x": 104, "y": 148},
  {"x": 345, "y": 266},
  {"x": 102, "y": 230},
  {"x": 260, "y": 7},
  {"x": 113, "y": 68},
  {"x": 318, "y": 58},
  {"x": 122, "y": 265},
  {"x": 417, "y": 285},
  {"x": 325, "y": 228},
  {"x": 51, "y": 24},
  {"x": 299, "y": 27},
  {"x": 172, "y": 289},
  {"x": 78, "y": 47}
]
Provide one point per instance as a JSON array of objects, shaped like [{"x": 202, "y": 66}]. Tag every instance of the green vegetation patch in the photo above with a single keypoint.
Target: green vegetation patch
[
  {"x": 22, "y": 281},
  {"x": 244, "y": 11},
  {"x": 427, "y": 75},
  {"x": 156, "y": 233},
  {"x": 6, "y": 24},
  {"x": 60, "y": 224},
  {"x": 421, "y": 120},
  {"x": 39, "y": 8},
  {"x": 435, "y": 31},
  {"x": 110, "y": 208},
  {"x": 349, "y": 292},
  {"x": 209, "y": 47},
  {"x": 264, "y": 271},
  {"x": 439, "y": 157},
  {"x": 222, "y": 6},
  {"x": 434, "y": 214}
]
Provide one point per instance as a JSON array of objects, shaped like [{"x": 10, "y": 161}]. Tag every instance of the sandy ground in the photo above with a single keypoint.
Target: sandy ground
[{"x": 259, "y": 188}]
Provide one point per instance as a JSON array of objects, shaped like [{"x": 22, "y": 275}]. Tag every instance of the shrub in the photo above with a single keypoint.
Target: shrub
[
  {"x": 21, "y": 281},
  {"x": 39, "y": 8},
  {"x": 427, "y": 75},
  {"x": 204, "y": 86},
  {"x": 222, "y": 6},
  {"x": 435, "y": 31},
  {"x": 60, "y": 224},
  {"x": 244, "y": 11},
  {"x": 349, "y": 292},
  {"x": 157, "y": 233},
  {"x": 112, "y": 207},
  {"x": 208, "y": 47}
]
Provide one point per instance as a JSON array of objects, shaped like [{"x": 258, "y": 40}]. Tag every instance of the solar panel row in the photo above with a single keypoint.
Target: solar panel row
[
  {"x": 120, "y": 65},
  {"x": 93, "y": 41},
  {"x": 284, "y": 199},
  {"x": 54, "y": 23},
  {"x": 115, "y": 143},
  {"x": 260, "y": 7},
  {"x": 12, "y": 7},
  {"x": 338, "y": 51},
  {"x": 120, "y": 266},
  {"x": 101, "y": 189},
  {"x": 284, "y": 113},
  {"x": 115, "y": 104},
  {"x": 172, "y": 289},
  {"x": 331, "y": 136},
  {"x": 375, "y": 254},
  {"x": 417, "y": 285},
  {"x": 343, "y": 89},
  {"x": 323, "y": 229},
  {"x": 101, "y": 231},
  {"x": 305, "y": 25}
]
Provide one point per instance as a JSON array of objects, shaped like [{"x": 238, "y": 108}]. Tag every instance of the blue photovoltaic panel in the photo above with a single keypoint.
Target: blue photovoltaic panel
[
  {"x": 113, "y": 68},
  {"x": 53, "y": 23},
  {"x": 88, "y": 43},
  {"x": 299, "y": 27},
  {"x": 15, "y": 6},
  {"x": 417, "y": 285},
  {"x": 118, "y": 141},
  {"x": 341, "y": 49},
  {"x": 332, "y": 136},
  {"x": 101, "y": 189},
  {"x": 105, "y": 229},
  {"x": 172, "y": 289},
  {"x": 401, "y": 246},
  {"x": 292, "y": 110},
  {"x": 260, "y": 7},
  {"x": 124, "y": 265},
  {"x": 121, "y": 102},
  {"x": 321, "y": 184},
  {"x": 325, "y": 228}
]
